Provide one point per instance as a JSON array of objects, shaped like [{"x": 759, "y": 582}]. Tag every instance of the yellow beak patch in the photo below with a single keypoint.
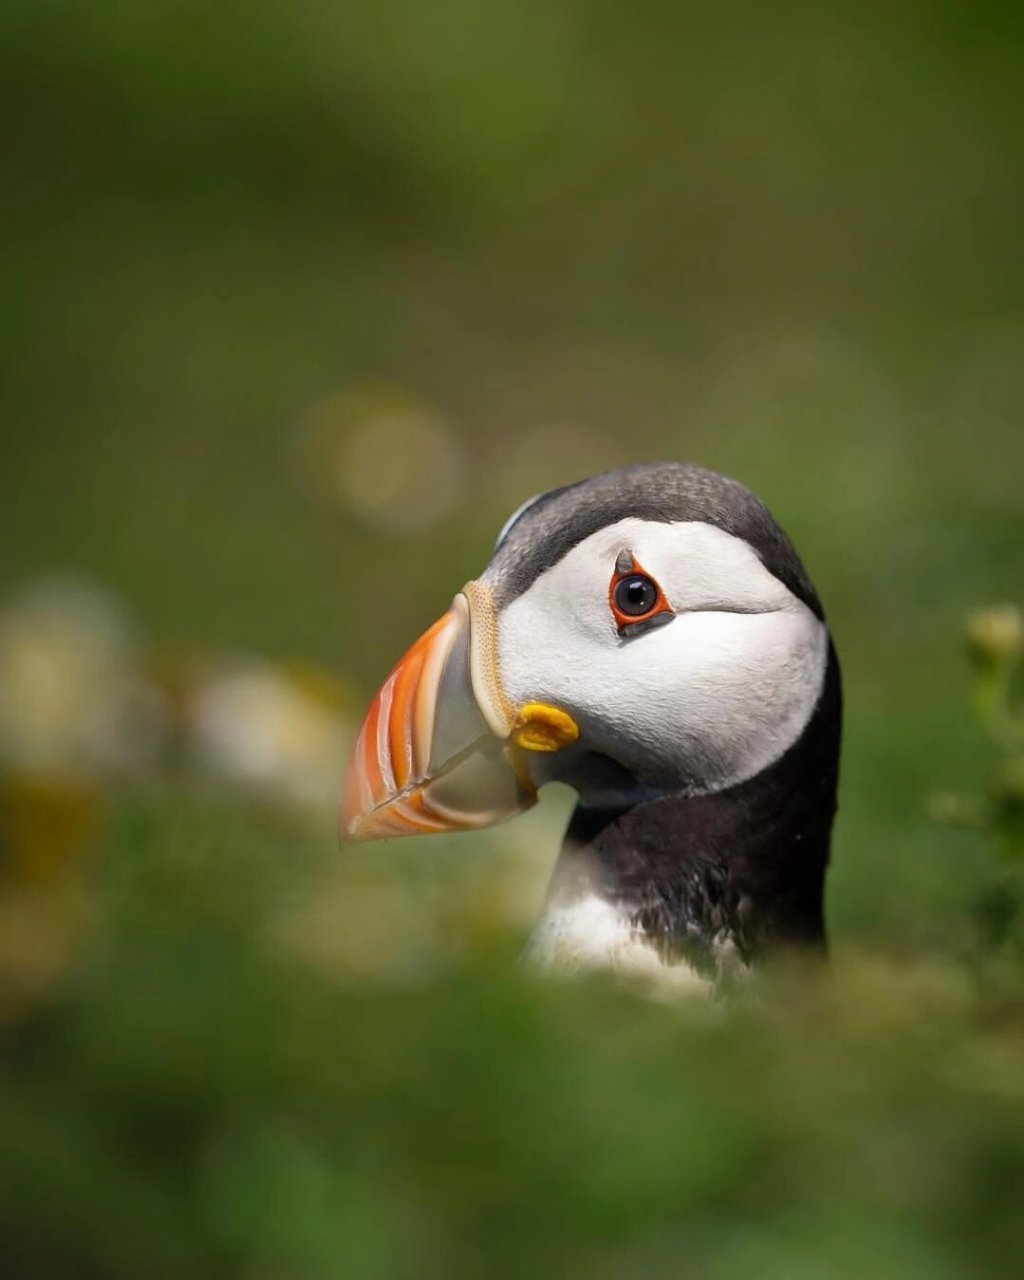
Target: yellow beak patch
[{"x": 539, "y": 727}]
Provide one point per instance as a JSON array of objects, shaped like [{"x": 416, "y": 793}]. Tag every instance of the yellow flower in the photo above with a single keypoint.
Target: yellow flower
[{"x": 995, "y": 635}]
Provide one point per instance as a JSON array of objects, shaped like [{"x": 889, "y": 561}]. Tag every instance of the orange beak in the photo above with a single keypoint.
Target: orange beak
[{"x": 433, "y": 753}]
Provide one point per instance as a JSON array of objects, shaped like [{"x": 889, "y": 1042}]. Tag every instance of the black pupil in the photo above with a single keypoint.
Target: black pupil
[{"x": 636, "y": 595}]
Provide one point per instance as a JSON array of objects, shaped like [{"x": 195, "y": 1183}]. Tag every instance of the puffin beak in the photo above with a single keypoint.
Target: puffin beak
[{"x": 437, "y": 750}]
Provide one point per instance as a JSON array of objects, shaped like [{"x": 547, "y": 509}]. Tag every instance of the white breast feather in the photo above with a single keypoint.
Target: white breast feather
[{"x": 592, "y": 934}]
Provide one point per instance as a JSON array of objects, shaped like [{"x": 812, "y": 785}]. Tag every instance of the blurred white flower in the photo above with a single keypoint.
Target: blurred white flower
[
  {"x": 71, "y": 692},
  {"x": 256, "y": 725},
  {"x": 387, "y": 458}
]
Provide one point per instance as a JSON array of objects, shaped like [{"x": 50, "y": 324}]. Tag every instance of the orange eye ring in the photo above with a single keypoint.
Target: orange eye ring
[{"x": 634, "y": 597}]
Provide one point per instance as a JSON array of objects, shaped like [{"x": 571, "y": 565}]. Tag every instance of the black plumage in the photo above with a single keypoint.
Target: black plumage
[{"x": 744, "y": 867}]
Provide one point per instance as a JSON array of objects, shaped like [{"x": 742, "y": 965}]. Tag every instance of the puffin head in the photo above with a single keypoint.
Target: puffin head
[
  {"x": 646, "y": 631},
  {"x": 646, "y": 636}
]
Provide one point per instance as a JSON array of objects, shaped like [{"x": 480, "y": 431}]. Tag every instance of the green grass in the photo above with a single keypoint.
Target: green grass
[{"x": 201, "y": 1099}]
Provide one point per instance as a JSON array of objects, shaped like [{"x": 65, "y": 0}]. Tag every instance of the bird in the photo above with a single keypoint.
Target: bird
[{"x": 650, "y": 637}]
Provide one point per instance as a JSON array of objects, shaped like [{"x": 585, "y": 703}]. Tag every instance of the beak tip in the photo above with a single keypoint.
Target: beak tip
[
  {"x": 352, "y": 824},
  {"x": 350, "y": 811}
]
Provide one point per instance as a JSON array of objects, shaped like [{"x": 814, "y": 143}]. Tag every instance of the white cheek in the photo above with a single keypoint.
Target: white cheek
[
  {"x": 740, "y": 689},
  {"x": 701, "y": 703}
]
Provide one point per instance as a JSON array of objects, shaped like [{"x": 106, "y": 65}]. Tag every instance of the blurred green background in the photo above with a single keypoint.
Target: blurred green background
[{"x": 300, "y": 301}]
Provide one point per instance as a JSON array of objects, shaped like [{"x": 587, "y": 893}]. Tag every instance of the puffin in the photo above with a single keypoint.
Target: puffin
[{"x": 650, "y": 637}]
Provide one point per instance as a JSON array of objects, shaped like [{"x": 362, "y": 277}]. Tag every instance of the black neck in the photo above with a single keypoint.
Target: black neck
[{"x": 743, "y": 867}]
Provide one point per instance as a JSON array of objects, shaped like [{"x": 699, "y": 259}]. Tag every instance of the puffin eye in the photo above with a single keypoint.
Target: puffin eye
[{"x": 634, "y": 596}]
